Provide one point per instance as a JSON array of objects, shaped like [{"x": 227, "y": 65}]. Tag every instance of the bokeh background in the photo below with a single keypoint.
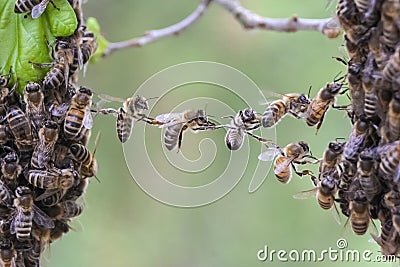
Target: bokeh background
[{"x": 123, "y": 226}]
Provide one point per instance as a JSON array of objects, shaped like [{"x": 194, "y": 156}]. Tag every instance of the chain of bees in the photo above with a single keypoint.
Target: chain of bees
[{"x": 43, "y": 135}]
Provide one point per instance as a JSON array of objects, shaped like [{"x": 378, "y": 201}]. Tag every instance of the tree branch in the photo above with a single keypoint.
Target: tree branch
[
  {"x": 250, "y": 20},
  {"x": 154, "y": 35},
  {"x": 247, "y": 18}
]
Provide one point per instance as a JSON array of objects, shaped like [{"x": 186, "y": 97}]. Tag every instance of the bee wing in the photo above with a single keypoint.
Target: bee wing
[
  {"x": 108, "y": 98},
  {"x": 41, "y": 218},
  {"x": 88, "y": 119},
  {"x": 336, "y": 214},
  {"x": 39, "y": 9},
  {"x": 14, "y": 221},
  {"x": 269, "y": 154},
  {"x": 306, "y": 194},
  {"x": 46, "y": 194},
  {"x": 169, "y": 119}
]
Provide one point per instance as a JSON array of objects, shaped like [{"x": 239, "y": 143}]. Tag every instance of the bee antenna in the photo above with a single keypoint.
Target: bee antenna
[
  {"x": 153, "y": 97},
  {"x": 309, "y": 91},
  {"x": 96, "y": 142},
  {"x": 98, "y": 180}
]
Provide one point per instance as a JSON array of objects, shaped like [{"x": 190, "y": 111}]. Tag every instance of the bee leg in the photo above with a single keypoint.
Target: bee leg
[
  {"x": 320, "y": 123},
  {"x": 259, "y": 138},
  {"x": 312, "y": 157},
  {"x": 180, "y": 136},
  {"x": 152, "y": 121},
  {"x": 41, "y": 65},
  {"x": 304, "y": 172}
]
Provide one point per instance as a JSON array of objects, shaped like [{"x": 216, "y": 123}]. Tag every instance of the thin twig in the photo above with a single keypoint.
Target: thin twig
[
  {"x": 247, "y": 18},
  {"x": 154, "y": 35},
  {"x": 250, "y": 20}
]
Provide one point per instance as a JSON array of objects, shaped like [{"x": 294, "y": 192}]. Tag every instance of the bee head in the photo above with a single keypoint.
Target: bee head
[
  {"x": 32, "y": 87},
  {"x": 141, "y": 103},
  {"x": 11, "y": 157},
  {"x": 304, "y": 146},
  {"x": 336, "y": 147}
]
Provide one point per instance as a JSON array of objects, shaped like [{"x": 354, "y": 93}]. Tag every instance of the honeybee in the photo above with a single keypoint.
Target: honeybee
[
  {"x": 292, "y": 103},
  {"x": 392, "y": 201},
  {"x": 37, "y": 7},
  {"x": 357, "y": 139},
  {"x": 359, "y": 212},
  {"x": 244, "y": 122},
  {"x": 78, "y": 115},
  {"x": 320, "y": 104},
  {"x": 368, "y": 84},
  {"x": 77, "y": 190},
  {"x": 66, "y": 210},
  {"x": 88, "y": 46},
  {"x": 26, "y": 212},
  {"x": 325, "y": 190},
  {"x": 388, "y": 240},
  {"x": 331, "y": 158},
  {"x": 7, "y": 253},
  {"x": 51, "y": 197},
  {"x": 390, "y": 161},
  {"x": 87, "y": 161},
  {"x": 390, "y": 16},
  {"x": 393, "y": 119},
  {"x": 350, "y": 18},
  {"x": 52, "y": 178},
  {"x": 177, "y": 123},
  {"x": 130, "y": 112},
  {"x": 44, "y": 149},
  {"x": 4, "y": 90},
  {"x": 294, "y": 153},
  {"x": 10, "y": 167},
  {"x": 32, "y": 256},
  {"x": 392, "y": 67},
  {"x": 34, "y": 103},
  {"x": 369, "y": 182},
  {"x": 20, "y": 128}
]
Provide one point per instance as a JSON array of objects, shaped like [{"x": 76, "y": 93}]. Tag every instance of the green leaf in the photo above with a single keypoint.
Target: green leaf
[
  {"x": 25, "y": 40},
  {"x": 93, "y": 25}
]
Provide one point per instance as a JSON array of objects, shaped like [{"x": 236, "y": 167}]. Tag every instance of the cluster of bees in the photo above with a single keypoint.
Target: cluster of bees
[
  {"x": 43, "y": 136},
  {"x": 361, "y": 173},
  {"x": 44, "y": 163}
]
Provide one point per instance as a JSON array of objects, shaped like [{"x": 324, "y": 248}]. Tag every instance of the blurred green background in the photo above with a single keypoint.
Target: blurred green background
[{"x": 122, "y": 226}]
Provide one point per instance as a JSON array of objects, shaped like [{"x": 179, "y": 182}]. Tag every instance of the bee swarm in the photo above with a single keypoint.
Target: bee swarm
[
  {"x": 371, "y": 156},
  {"x": 45, "y": 164}
]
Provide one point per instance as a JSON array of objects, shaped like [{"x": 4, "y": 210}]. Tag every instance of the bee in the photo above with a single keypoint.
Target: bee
[
  {"x": 350, "y": 18},
  {"x": 34, "y": 98},
  {"x": 393, "y": 118},
  {"x": 392, "y": 67},
  {"x": 392, "y": 201},
  {"x": 359, "y": 212},
  {"x": 388, "y": 240},
  {"x": 36, "y": 7},
  {"x": 325, "y": 190},
  {"x": 60, "y": 229},
  {"x": 127, "y": 115},
  {"x": 390, "y": 16},
  {"x": 293, "y": 104},
  {"x": 370, "y": 97},
  {"x": 26, "y": 212},
  {"x": 32, "y": 256},
  {"x": 177, "y": 123},
  {"x": 369, "y": 182},
  {"x": 66, "y": 210},
  {"x": 61, "y": 159},
  {"x": 52, "y": 178},
  {"x": 4, "y": 90},
  {"x": 44, "y": 149},
  {"x": 7, "y": 253},
  {"x": 78, "y": 190},
  {"x": 88, "y": 46},
  {"x": 20, "y": 128},
  {"x": 390, "y": 161},
  {"x": 320, "y": 104},
  {"x": 294, "y": 153},
  {"x": 243, "y": 123},
  {"x": 87, "y": 161},
  {"x": 10, "y": 167},
  {"x": 357, "y": 139},
  {"x": 78, "y": 115},
  {"x": 331, "y": 158}
]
